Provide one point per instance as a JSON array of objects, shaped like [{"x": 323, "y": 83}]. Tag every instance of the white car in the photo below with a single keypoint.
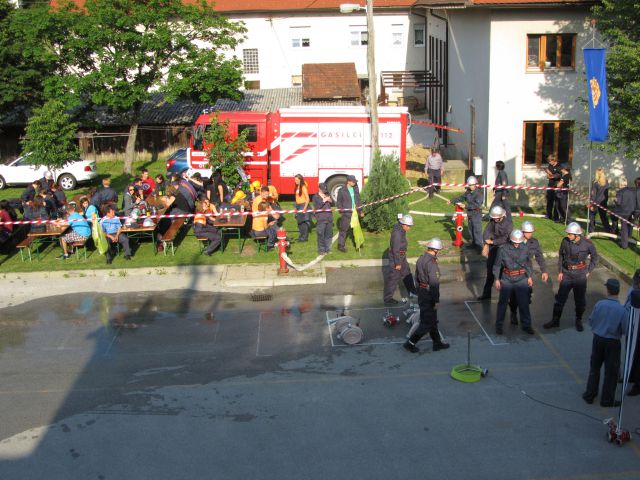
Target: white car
[{"x": 21, "y": 172}]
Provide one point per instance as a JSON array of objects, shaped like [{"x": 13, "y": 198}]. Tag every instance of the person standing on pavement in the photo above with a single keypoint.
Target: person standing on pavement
[
  {"x": 428, "y": 280},
  {"x": 562, "y": 196},
  {"x": 634, "y": 375},
  {"x": 599, "y": 198},
  {"x": 608, "y": 322},
  {"x": 501, "y": 195},
  {"x": 434, "y": 169},
  {"x": 513, "y": 274},
  {"x": 398, "y": 264},
  {"x": 535, "y": 250},
  {"x": 348, "y": 199},
  {"x": 625, "y": 205},
  {"x": 496, "y": 233},
  {"x": 574, "y": 271},
  {"x": 553, "y": 175},
  {"x": 324, "y": 220},
  {"x": 473, "y": 199}
]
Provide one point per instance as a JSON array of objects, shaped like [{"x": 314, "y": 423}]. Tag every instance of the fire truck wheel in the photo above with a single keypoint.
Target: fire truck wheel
[{"x": 334, "y": 184}]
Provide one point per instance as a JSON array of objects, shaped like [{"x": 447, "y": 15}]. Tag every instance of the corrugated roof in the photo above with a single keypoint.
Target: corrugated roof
[
  {"x": 330, "y": 81},
  {"x": 270, "y": 100}
]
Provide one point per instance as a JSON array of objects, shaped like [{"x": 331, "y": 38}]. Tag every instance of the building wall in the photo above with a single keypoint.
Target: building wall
[{"x": 330, "y": 42}]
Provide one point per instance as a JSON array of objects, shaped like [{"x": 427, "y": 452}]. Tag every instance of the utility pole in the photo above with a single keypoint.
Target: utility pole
[{"x": 373, "y": 83}]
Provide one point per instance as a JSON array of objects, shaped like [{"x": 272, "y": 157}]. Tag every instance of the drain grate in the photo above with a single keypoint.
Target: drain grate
[{"x": 261, "y": 296}]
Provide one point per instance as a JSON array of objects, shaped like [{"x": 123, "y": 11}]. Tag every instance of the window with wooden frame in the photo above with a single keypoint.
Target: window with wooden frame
[
  {"x": 541, "y": 139},
  {"x": 551, "y": 52}
]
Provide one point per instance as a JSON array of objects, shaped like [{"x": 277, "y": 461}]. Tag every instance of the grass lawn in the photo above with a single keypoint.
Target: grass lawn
[{"x": 187, "y": 249}]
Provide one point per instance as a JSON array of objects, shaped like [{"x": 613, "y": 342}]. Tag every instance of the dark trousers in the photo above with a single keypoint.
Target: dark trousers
[
  {"x": 475, "y": 227},
  {"x": 607, "y": 351},
  {"x": 435, "y": 176},
  {"x": 513, "y": 302},
  {"x": 626, "y": 229},
  {"x": 491, "y": 259},
  {"x": 604, "y": 219},
  {"x": 428, "y": 318},
  {"x": 324, "y": 231},
  {"x": 562, "y": 205},
  {"x": 520, "y": 289},
  {"x": 393, "y": 279},
  {"x": 304, "y": 223},
  {"x": 123, "y": 240},
  {"x": 344, "y": 224},
  {"x": 210, "y": 233},
  {"x": 551, "y": 199},
  {"x": 271, "y": 233},
  {"x": 576, "y": 282}
]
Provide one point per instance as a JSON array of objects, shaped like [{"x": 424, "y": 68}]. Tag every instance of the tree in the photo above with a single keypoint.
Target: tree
[
  {"x": 51, "y": 136},
  {"x": 617, "y": 21},
  {"x": 115, "y": 53},
  {"x": 385, "y": 180},
  {"x": 26, "y": 61},
  {"x": 225, "y": 153}
]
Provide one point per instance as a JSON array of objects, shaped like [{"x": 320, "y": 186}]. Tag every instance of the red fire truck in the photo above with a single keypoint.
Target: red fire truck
[{"x": 323, "y": 144}]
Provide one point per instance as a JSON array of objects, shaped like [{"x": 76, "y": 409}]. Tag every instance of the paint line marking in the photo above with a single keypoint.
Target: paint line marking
[
  {"x": 258, "y": 340},
  {"x": 480, "y": 325}
]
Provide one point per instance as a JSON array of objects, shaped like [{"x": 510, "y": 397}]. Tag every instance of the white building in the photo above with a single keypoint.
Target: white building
[{"x": 515, "y": 66}]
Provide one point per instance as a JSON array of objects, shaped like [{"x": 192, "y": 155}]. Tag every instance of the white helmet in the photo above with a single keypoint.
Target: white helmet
[
  {"x": 48, "y": 175},
  {"x": 472, "y": 180},
  {"x": 148, "y": 222},
  {"x": 516, "y": 236},
  {"x": 135, "y": 213},
  {"x": 497, "y": 212},
  {"x": 405, "y": 219},
  {"x": 434, "y": 244},
  {"x": 527, "y": 227},
  {"x": 574, "y": 228}
]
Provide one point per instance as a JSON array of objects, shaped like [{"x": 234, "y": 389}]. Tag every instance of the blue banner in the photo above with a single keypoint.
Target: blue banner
[{"x": 595, "y": 63}]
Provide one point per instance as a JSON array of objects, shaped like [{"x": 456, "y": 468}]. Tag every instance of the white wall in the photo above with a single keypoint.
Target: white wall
[
  {"x": 516, "y": 95},
  {"x": 330, "y": 43}
]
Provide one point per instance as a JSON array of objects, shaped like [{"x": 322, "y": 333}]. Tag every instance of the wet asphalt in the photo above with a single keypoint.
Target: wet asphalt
[{"x": 256, "y": 384}]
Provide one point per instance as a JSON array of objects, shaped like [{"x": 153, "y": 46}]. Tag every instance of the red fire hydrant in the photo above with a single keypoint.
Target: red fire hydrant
[
  {"x": 282, "y": 248},
  {"x": 459, "y": 222}
]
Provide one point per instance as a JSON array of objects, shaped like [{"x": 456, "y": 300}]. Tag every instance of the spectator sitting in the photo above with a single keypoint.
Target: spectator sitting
[
  {"x": 79, "y": 231},
  {"x": 176, "y": 201},
  {"x": 189, "y": 193},
  {"x": 36, "y": 211},
  {"x": 203, "y": 225},
  {"x": 88, "y": 210},
  {"x": 131, "y": 199},
  {"x": 147, "y": 183},
  {"x": 266, "y": 197},
  {"x": 112, "y": 226},
  {"x": 217, "y": 191},
  {"x": 262, "y": 225},
  {"x": 30, "y": 192},
  {"x": 105, "y": 196},
  {"x": 161, "y": 185},
  {"x": 197, "y": 182},
  {"x": 6, "y": 229}
]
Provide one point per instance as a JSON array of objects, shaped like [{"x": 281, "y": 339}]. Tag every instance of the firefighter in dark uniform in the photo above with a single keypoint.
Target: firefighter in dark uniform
[
  {"x": 496, "y": 233},
  {"x": 398, "y": 265},
  {"x": 348, "y": 199},
  {"x": 501, "y": 195},
  {"x": 428, "y": 280},
  {"x": 625, "y": 204},
  {"x": 535, "y": 251},
  {"x": 574, "y": 270},
  {"x": 473, "y": 199},
  {"x": 553, "y": 175},
  {"x": 513, "y": 274}
]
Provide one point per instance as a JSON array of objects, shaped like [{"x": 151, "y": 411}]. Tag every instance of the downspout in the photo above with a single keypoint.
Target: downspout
[
  {"x": 426, "y": 49},
  {"x": 446, "y": 74}
]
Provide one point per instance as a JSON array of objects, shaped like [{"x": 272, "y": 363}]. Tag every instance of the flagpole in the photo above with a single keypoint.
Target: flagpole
[{"x": 589, "y": 184}]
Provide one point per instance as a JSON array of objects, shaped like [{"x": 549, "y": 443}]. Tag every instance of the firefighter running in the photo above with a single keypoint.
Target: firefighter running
[{"x": 428, "y": 280}]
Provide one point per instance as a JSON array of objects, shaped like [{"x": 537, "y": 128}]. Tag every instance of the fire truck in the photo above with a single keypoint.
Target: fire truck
[{"x": 323, "y": 144}]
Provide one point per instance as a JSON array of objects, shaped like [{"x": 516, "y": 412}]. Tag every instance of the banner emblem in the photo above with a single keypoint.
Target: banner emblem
[{"x": 595, "y": 92}]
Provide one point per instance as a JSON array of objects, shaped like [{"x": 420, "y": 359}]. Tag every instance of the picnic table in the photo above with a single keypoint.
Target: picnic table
[
  {"x": 231, "y": 225},
  {"x": 51, "y": 233},
  {"x": 139, "y": 231}
]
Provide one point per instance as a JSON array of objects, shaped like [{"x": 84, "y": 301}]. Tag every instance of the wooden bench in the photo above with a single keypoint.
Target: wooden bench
[
  {"x": 170, "y": 235},
  {"x": 25, "y": 245},
  {"x": 80, "y": 245},
  {"x": 262, "y": 243}
]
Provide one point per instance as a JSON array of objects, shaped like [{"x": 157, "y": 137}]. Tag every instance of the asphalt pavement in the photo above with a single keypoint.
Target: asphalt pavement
[{"x": 253, "y": 382}]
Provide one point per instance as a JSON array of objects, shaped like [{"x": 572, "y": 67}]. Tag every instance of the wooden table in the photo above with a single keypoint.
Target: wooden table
[
  {"x": 51, "y": 234},
  {"x": 141, "y": 232},
  {"x": 231, "y": 226}
]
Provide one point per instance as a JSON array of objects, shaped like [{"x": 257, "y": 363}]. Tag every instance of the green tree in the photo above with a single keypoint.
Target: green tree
[
  {"x": 617, "y": 20},
  {"x": 385, "y": 180},
  {"x": 26, "y": 60},
  {"x": 115, "y": 53},
  {"x": 225, "y": 153},
  {"x": 51, "y": 136}
]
